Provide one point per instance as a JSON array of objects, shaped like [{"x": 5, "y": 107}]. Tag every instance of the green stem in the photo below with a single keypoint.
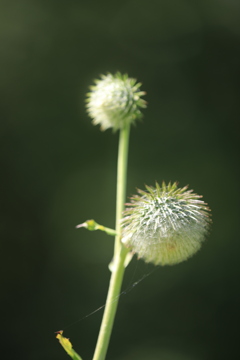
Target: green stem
[
  {"x": 120, "y": 252},
  {"x": 121, "y": 182}
]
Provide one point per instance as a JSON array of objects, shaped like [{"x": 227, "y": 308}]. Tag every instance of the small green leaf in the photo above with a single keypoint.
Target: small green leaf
[
  {"x": 92, "y": 225},
  {"x": 67, "y": 346}
]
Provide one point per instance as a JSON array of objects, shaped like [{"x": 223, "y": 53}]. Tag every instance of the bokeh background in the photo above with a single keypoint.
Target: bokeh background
[{"x": 57, "y": 170}]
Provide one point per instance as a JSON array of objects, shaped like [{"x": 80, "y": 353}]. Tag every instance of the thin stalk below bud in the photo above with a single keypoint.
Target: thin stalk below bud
[{"x": 120, "y": 252}]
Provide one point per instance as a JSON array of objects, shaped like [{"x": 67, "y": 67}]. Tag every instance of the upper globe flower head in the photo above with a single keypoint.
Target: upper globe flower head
[
  {"x": 165, "y": 225},
  {"x": 115, "y": 101}
]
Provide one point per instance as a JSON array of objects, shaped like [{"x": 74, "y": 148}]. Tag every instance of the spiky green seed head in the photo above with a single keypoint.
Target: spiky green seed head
[
  {"x": 165, "y": 225},
  {"x": 115, "y": 101}
]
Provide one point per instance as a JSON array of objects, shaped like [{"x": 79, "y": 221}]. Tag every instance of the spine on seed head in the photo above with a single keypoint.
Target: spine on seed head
[{"x": 165, "y": 224}]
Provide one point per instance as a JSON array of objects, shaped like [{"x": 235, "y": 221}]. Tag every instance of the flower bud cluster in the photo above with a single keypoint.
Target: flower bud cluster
[
  {"x": 114, "y": 101},
  {"x": 165, "y": 225}
]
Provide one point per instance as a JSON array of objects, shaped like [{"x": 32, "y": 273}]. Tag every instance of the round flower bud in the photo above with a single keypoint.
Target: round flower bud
[
  {"x": 114, "y": 101},
  {"x": 165, "y": 225}
]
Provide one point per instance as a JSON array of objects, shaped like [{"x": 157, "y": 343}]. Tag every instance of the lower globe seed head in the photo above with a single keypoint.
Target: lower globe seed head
[{"x": 165, "y": 225}]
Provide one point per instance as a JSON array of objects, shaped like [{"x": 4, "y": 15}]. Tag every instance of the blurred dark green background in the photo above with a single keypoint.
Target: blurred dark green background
[{"x": 57, "y": 170}]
